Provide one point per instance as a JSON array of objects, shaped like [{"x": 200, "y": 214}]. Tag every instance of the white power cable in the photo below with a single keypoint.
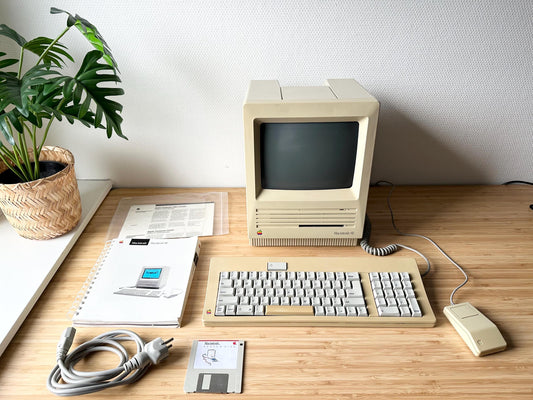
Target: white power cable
[{"x": 127, "y": 371}]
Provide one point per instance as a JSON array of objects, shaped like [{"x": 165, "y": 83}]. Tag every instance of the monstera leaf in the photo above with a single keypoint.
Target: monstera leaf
[
  {"x": 12, "y": 34},
  {"x": 53, "y": 52},
  {"x": 82, "y": 92},
  {"x": 91, "y": 34},
  {"x": 6, "y": 62},
  {"x": 19, "y": 92}
]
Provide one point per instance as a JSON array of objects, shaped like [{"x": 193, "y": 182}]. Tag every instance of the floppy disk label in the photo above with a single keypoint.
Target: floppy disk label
[{"x": 215, "y": 366}]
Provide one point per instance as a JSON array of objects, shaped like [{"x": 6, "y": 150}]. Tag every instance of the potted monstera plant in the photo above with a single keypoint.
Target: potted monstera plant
[{"x": 38, "y": 190}]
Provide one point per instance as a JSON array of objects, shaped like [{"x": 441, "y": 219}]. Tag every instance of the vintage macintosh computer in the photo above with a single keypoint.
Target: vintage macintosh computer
[{"x": 308, "y": 154}]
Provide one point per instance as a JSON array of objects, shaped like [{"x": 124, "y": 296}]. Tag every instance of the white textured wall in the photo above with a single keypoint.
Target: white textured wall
[{"x": 454, "y": 78}]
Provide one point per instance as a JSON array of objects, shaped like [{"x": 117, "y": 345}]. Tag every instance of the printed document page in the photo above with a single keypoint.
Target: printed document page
[{"x": 166, "y": 221}]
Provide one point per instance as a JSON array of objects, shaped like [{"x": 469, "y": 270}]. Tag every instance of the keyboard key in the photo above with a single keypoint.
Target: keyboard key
[
  {"x": 392, "y": 302},
  {"x": 289, "y": 310},
  {"x": 415, "y": 308},
  {"x": 245, "y": 310},
  {"x": 380, "y": 301},
  {"x": 226, "y": 283},
  {"x": 362, "y": 312},
  {"x": 231, "y": 309},
  {"x": 226, "y": 291},
  {"x": 352, "y": 276},
  {"x": 319, "y": 311},
  {"x": 340, "y": 311},
  {"x": 404, "y": 311},
  {"x": 351, "y": 311},
  {"x": 376, "y": 285},
  {"x": 354, "y": 301},
  {"x": 225, "y": 300},
  {"x": 340, "y": 293},
  {"x": 276, "y": 266},
  {"x": 392, "y": 311}
]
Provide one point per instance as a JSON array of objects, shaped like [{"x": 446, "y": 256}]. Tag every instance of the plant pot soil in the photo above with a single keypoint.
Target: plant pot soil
[
  {"x": 47, "y": 207},
  {"x": 47, "y": 168}
]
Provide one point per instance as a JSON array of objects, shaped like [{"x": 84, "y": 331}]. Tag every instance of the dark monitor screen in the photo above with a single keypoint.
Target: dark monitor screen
[{"x": 308, "y": 155}]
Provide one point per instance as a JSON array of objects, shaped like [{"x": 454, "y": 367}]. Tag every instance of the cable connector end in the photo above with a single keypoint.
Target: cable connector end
[
  {"x": 65, "y": 342},
  {"x": 157, "y": 349}
]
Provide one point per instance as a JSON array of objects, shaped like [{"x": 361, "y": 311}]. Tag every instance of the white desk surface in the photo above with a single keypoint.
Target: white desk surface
[{"x": 26, "y": 266}]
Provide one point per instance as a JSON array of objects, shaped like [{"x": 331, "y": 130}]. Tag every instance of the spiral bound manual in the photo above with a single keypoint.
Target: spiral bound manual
[
  {"x": 85, "y": 289},
  {"x": 138, "y": 282}
]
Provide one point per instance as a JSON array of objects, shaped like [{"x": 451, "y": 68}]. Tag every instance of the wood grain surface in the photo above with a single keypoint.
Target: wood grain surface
[{"x": 486, "y": 229}]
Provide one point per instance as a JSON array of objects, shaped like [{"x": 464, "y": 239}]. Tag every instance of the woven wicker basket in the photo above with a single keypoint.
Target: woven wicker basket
[{"x": 47, "y": 207}]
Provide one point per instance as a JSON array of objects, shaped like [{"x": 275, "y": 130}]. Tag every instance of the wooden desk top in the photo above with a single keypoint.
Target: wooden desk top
[{"x": 487, "y": 229}]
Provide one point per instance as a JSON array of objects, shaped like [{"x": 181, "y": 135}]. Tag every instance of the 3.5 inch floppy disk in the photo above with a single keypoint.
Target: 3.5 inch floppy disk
[{"x": 215, "y": 366}]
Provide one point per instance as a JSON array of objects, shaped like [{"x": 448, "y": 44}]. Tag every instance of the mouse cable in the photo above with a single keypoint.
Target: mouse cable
[
  {"x": 365, "y": 246},
  {"x": 128, "y": 370},
  {"x": 389, "y": 249}
]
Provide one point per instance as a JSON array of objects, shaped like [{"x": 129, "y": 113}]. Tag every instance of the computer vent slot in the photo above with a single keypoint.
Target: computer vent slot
[
  {"x": 281, "y": 218},
  {"x": 308, "y": 242}
]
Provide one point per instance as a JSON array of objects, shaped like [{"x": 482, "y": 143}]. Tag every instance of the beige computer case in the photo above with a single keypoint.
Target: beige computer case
[{"x": 310, "y": 217}]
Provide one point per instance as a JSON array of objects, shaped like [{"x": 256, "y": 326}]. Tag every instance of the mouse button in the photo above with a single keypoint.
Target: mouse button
[{"x": 464, "y": 310}]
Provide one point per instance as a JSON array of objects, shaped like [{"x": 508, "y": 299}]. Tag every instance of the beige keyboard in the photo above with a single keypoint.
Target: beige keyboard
[{"x": 316, "y": 291}]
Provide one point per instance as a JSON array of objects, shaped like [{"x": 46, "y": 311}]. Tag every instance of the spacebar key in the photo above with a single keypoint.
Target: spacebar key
[{"x": 289, "y": 310}]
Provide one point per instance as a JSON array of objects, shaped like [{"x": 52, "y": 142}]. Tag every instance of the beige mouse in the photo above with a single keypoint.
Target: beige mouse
[{"x": 478, "y": 332}]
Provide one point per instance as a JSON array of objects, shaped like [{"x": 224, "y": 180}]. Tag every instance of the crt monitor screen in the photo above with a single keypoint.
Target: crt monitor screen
[{"x": 308, "y": 155}]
